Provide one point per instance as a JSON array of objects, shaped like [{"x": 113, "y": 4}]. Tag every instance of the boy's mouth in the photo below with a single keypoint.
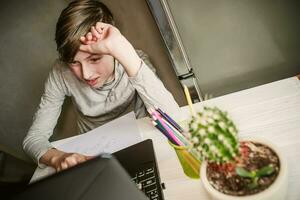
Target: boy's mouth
[{"x": 92, "y": 82}]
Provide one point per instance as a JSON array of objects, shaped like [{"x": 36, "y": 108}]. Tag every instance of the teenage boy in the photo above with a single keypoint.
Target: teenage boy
[{"x": 101, "y": 72}]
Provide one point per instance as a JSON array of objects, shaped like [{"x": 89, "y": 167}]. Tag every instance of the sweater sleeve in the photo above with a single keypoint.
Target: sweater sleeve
[
  {"x": 151, "y": 89},
  {"x": 36, "y": 143}
]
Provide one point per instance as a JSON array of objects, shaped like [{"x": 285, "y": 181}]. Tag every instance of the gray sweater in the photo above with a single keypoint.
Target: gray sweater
[{"x": 94, "y": 107}]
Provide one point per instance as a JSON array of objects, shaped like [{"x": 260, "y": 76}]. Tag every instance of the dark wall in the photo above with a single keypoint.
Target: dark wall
[
  {"x": 238, "y": 44},
  {"x": 28, "y": 50}
]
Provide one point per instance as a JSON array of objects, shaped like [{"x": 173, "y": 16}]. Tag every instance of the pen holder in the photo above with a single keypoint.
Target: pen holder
[{"x": 189, "y": 164}]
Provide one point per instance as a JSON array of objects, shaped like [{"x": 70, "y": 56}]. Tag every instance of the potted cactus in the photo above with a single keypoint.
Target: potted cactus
[{"x": 233, "y": 168}]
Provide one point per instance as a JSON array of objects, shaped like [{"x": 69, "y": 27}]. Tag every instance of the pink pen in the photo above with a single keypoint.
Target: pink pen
[{"x": 170, "y": 132}]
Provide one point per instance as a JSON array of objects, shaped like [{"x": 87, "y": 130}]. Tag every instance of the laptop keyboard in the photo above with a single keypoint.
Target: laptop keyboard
[{"x": 147, "y": 181}]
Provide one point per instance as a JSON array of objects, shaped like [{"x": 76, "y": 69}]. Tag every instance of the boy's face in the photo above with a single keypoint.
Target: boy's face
[{"x": 93, "y": 69}]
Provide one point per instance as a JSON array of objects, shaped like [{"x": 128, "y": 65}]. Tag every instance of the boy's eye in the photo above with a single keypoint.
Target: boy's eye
[
  {"x": 75, "y": 63},
  {"x": 94, "y": 59}
]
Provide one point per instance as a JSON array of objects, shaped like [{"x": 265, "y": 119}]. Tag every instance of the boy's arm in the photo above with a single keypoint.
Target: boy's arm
[
  {"x": 150, "y": 88},
  {"x": 111, "y": 41},
  {"x": 147, "y": 84},
  {"x": 36, "y": 143}
]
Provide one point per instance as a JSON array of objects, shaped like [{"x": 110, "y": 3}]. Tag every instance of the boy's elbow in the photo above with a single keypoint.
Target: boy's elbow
[{"x": 25, "y": 143}]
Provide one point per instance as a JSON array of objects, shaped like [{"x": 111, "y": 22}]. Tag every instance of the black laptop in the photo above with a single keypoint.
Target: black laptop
[
  {"x": 140, "y": 162},
  {"x": 104, "y": 178}
]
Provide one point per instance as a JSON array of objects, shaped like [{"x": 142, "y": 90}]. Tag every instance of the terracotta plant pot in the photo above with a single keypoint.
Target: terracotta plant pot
[{"x": 276, "y": 191}]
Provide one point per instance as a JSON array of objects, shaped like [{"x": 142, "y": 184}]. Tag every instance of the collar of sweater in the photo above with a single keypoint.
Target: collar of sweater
[{"x": 118, "y": 70}]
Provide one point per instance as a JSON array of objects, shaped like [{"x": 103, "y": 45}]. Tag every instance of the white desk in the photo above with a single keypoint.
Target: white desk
[{"x": 271, "y": 111}]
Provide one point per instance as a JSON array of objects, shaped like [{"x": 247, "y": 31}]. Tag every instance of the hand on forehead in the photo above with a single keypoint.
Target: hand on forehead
[{"x": 96, "y": 33}]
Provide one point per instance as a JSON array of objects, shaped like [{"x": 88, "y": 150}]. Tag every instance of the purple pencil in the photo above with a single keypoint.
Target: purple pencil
[{"x": 170, "y": 120}]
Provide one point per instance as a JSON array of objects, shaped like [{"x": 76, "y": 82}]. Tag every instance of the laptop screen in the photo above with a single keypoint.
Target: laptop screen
[{"x": 99, "y": 178}]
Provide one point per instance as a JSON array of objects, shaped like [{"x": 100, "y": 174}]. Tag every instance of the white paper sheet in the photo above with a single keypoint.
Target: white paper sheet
[{"x": 109, "y": 138}]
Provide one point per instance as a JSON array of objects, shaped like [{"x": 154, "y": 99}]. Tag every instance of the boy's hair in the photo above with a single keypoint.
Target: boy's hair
[{"x": 75, "y": 21}]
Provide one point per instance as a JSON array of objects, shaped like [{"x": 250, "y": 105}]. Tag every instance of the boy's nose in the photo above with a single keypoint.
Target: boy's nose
[{"x": 86, "y": 72}]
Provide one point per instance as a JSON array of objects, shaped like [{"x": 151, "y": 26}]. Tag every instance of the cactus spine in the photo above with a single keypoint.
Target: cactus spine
[{"x": 214, "y": 136}]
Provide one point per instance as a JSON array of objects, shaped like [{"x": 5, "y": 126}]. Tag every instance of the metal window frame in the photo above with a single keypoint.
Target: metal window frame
[{"x": 176, "y": 51}]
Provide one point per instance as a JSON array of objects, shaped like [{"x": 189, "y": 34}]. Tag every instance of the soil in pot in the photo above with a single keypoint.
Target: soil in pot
[{"x": 254, "y": 156}]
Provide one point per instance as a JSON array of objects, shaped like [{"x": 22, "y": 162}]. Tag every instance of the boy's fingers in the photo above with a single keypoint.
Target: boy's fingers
[
  {"x": 63, "y": 165},
  {"x": 89, "y": 42},
  {"x": 85, "y": 48},
  {"x": 79, "y": 158},
  {"x": 71, "y": 161},
  {"x": 83, "y": 39},
  {"x": 101, "y": 28},
  {"x": 103, "y": 31},
  {"x": 58, "y": 169},
  {"x": 95, "y": 32},
  {"x": 89, "y": 157},
  {"x": 100, "y": 25},
  {"x": 89, "y": 36}
]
